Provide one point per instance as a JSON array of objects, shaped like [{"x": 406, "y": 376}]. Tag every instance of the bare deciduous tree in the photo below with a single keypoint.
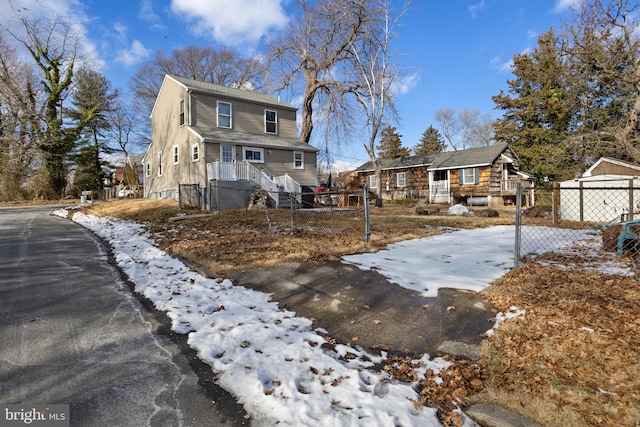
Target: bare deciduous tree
[
  {"x": 603, "y": 42},
  {"x": 465, "y": 128},
  {"x": 449, "y": 127},
  {"x": 18, "y": 153},
  {"x": 315, "y": 56},
  {"x": 205, "y": 64},
  {"x": 53, "y": 45},
  {"x": 378, "y": 73}
]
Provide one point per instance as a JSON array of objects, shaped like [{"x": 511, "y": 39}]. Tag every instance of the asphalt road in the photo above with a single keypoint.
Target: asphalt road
[{"x": 71, "y": 332}]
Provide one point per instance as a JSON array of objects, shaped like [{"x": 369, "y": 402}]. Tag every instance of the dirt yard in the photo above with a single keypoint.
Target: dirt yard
[{"x": 572, "y": 360}]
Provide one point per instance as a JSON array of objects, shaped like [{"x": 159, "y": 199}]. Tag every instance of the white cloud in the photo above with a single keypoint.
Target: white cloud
[
  {"x": 502, "y": 66},
  {"x": 69, "y": 12},
  {"x": 562, "y": 5},
  {"x": 476, "y": 7},
  {"x": 405, "y": 84},
  {"x": 232, "y": 23},
  {"x": 135, "y": 54},
  {"x": 147, "y": 13}
]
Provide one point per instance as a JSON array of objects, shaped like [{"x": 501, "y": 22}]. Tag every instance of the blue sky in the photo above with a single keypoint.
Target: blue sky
[{"x": 454, "y": 53}]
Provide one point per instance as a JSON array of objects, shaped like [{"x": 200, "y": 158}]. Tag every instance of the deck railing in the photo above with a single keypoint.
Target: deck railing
[{"x": 234, "y": 171}]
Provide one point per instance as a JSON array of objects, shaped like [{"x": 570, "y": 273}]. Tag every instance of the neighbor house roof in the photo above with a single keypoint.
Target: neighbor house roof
[
  {"x": 232, "y": 136},
  {"x": 229, "y": 92},
  {"x": 471, "y": 157},
  {"x": 627, "y": 165}
]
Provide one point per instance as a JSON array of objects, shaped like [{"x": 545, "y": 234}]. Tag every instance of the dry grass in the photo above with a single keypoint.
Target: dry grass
[
  {"x": 572, "y": 361},
  {"x": 240, "y": 239}
]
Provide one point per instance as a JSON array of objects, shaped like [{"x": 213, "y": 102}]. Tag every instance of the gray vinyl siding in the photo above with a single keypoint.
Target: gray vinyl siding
[
  {"x": 278, "y": 163},
  {"x": 245, "y": 117},
  {"x": 200, "y": 110}
]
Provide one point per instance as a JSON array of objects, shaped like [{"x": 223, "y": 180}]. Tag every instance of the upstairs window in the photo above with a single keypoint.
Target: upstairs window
[
  {"x": 224, "y": 115},
  {"x": 270, "y": 121},
  {"x": 253, "y": 155},
  {"x": 181, "y": 114},
  {"x": 160, "y": 163},
  {"x": 195, "y": 152},
  {"x": 147, "y": 167},
  {"x": 298, "y": 160},
  {"x": 401, "y": 179}
]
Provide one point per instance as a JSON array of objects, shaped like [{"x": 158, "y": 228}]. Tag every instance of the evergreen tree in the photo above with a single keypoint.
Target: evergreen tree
[
  {"x": 390, "y": 146},
  {"x": 92, "y": 100},
  {"x": 538, "y": 111},
  {"x": 431, "y": 142}
]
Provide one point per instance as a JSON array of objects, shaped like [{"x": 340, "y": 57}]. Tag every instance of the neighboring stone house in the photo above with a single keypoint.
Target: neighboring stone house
[
  {"x": 476, "y": 176},
  {"x": 204, "y": 134}
]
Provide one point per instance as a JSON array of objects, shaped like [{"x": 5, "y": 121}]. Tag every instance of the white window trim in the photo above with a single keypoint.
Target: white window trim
[
  {"x": 275, "y": 122},
  {"x": 175, "y": 154},
  {"x": 182, "y": 113},
  {"x": 159, "y": 163},
  {"x": 474, "y": 179},
  {"x": 148, "y": 169},
  {"x": 195, "y": 152},
  {"x": 372, "y": 181},
  {"x": 252, "y": 149},
  {"x": 230, "y": 114},
  {"x": 301, "y": 153},
  {"x": 404, "y": 180}
]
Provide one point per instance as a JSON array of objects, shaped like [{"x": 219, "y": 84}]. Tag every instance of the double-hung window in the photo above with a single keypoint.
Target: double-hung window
[
  {"x": 195, "y": 152},
  {"x": 181, "y": 112},
  {"x": 270, "y": 121},
  {"x": 401, "y": 179},
  {"x": 253, "y": 155},
  {"x": 147, "y": 169},
  {"x": 469, "y": 176},
  {"x": 373, "y": 181},
  {"x": 160, "y": 163},
  {"x": 298, "y": 160},
  {"x": 176, "y": 154},
  {"x": 224, "y": 115}
]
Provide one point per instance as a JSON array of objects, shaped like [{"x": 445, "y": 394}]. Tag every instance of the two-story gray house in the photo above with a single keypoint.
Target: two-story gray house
[{"x": 204, "y": 134}]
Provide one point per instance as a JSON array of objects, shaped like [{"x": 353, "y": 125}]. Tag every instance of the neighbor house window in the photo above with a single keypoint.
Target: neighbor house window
[
  {"x": 373, "y": 181},
  {"x": 270, "y": 121},
  {"x": 181, "y": 115},
  {"x": 176, "y": 154},
  {"x": 401, "y": 179},
  {"x": 298, "y": 160},
  {"x": 195, "y": 152},
  {"x": 147, "y": 168},
  {"x": 224, "y": 115},
  {"x": 160, "y": 163},
  {"x": 254, "y": 155},
  {"x": 469, "y": 176}
]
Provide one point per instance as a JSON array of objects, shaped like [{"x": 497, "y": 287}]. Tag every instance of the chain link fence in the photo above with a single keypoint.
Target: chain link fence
[
  {"x": 554, "y": 222},
  {"x": 333, "y": 212},
  {"x": 190, "y": 198}
]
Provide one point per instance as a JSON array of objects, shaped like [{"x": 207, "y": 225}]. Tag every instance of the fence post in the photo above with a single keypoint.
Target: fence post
[
  {"x": 367, "y": 222},
  {"x": 292, "y": 202},
  {"x": 631, "y": 199},
  {"x": 581, "y": 193},
  {"x": 555, "y": 196},
  {"x": 516, "y": 251}
]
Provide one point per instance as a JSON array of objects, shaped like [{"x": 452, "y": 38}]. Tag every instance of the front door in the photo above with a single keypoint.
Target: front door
[{"x": 227, "y": 153}]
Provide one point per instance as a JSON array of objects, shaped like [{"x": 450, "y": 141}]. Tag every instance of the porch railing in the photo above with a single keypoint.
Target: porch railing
[{"x": 234, "y": 171}]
